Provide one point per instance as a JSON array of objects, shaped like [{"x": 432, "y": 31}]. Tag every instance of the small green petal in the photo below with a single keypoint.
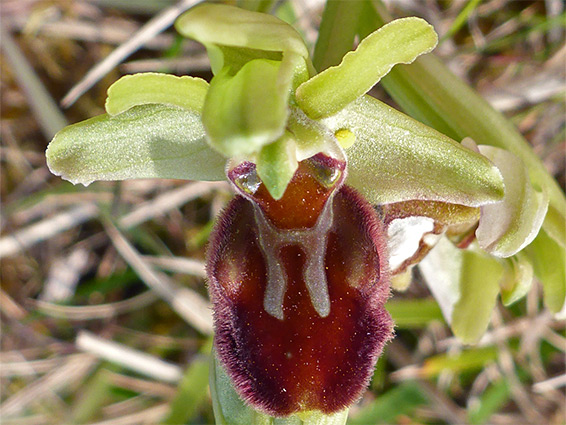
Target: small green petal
[
  {"x": 396, "y": 158},
  {"x": 400, "y": 41},
  {"x": 146, "y": 141},
  {"x": 549, "y": 261},
  {"x": 466, "y": 284},
  {"x": 276, "y": 165},
  {"x": 508, "y": 226},
  {"x": 141, "y": 89},
  {"x": 244, "y": 112},
  {"x": 214, "y": 24},
  {"x": 517, "y": 280}
]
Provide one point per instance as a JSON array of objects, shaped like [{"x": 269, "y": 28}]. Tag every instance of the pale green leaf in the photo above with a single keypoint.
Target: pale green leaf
[
  {"x": 140, "y": 89},
  {"x": 215, "y": 24},
  {"x": 466, "y": 284},
  {"x": 400, "y": 41},
  {"x": 230, "y": 409},
  {"x": 549, "y": 262},
  {"x": 244, "y": 112},
  {"x": 517, "y": 279},
  {"x": 147, "y": 141},
  {"x": 276, "y": 165},
  {"x": 508, "y": 226},
  {"x": 396, "y": 158}
]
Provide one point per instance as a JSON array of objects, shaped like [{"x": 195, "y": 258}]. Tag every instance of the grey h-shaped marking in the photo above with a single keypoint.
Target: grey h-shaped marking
[{"x": 313, "y": 241}]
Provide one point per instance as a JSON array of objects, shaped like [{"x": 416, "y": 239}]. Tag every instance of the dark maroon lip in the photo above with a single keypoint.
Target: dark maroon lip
[{"x": 303, "y": 361}]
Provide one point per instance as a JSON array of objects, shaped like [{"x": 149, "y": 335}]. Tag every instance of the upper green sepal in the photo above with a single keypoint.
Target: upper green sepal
[
  {"x": 258, "y": 61},
  {"x": 146, "y": 141},
  {"x": 151, "y": 87},
  {"x": 396, "y": 158},
  {"x": 222, "y": 25},
  {"x": 400, "y": 41}
]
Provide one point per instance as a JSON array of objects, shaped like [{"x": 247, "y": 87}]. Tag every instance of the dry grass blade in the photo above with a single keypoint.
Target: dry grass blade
[
  {"x": 188, "y": 304},
  {"x": 95, "y": 312},
  {"x": 128, "y": 358},
  {"x": 550, "y": 384},
  {"x": 155, "y": 26},
  {"x": 168, "y": 201},
  {"x": 73, "y": 370},
  {"x": 45, "y": 229},
  {"x": 147, "y": 416},
  {"x": 178, "y": 265}
]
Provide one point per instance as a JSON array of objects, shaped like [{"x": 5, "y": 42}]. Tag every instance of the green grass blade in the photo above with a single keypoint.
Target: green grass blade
[{"x": 336, "y": 33}]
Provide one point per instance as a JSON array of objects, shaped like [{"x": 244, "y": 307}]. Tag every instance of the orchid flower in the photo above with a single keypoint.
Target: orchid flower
[{"x": 337, "y": 196}]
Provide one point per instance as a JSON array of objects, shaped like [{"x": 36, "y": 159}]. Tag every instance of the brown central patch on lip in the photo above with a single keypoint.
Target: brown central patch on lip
[{"x": 305, "y": 196}]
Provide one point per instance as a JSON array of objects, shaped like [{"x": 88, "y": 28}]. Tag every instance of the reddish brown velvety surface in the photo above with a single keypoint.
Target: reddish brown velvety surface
[{"x": 304, "y": 362}]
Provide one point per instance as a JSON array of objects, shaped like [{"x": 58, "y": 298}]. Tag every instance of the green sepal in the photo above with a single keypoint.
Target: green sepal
[
  {"x": 141, "y": 89},
  {"x": 230, "y": 409},
  {"x": 400, "y": 41},
  {"x": 465, "y": 284},
  {"x": 146, "y": 141},
  {"x": 396, "y": 158},
  {"x": 549, "y": 262},
  {"x": 276, "y": 165},
  {"x": 246, "y": 111},
  {"x": 506, "y": 227}
]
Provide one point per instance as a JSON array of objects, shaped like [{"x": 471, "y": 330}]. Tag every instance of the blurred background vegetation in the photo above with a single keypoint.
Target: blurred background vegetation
[{"x": 103, "y": 301}]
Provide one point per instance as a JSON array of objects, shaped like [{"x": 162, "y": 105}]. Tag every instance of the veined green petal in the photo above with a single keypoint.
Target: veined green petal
[
  {"x": 231, "y": 26},
  {"x": 141, "y": 89},
  {"x": 400, "y": 41},
  {"x": 396, "y": 158},
  {"x": 508, "y": 226},
  {"x": 146, "y": 141},
  {"x": 465, "y": 284},
  {"x": 244, "y": 112},
  {"x": 276, "y": 165}
]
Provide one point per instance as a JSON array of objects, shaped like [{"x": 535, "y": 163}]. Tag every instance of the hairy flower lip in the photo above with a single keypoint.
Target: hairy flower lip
[{"x": 301, "y": 360}]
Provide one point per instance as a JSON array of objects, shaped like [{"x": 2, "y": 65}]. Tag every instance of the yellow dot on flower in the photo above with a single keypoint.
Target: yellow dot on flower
[{"x": 345, "y": 137}]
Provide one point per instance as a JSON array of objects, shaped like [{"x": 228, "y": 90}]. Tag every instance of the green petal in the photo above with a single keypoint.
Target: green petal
[
  {"x": 244, "y": 112},
  {"x": 549, "y": 262},
  {"x": 396, "y": 158},
  {"x": 276, "y": 165},
  {"x": 508, "y": 226},
  {"x": 147, "y": 141},
  {"x": 466, "y": 284},
  {"x": 141, "y": 89},
  {"x": 400, "y": 41}
]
